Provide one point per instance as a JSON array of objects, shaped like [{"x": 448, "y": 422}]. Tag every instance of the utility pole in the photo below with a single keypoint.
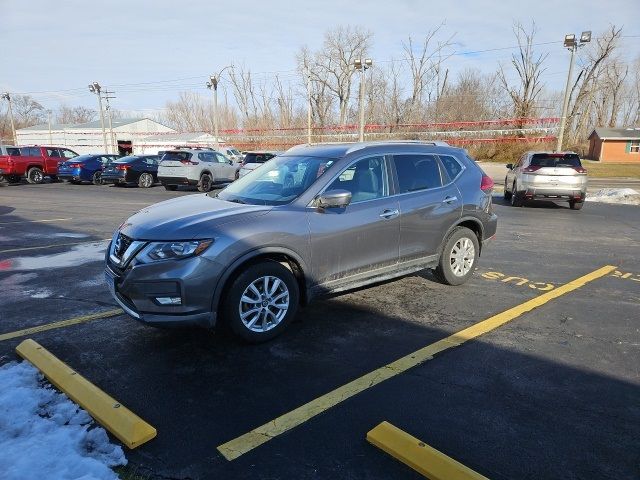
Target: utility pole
[
  {"x": 572, "y": 45},
  {"x": 96, "y": 88},
  {"x": 7, "y": 97},
  {"x": 308, "y": 107},
  {"x": 212, "y": 84},
  {"x": 114, "y": 146},
  {"x": 49, "y": 119},
  {"x": 362, "y": 66}
]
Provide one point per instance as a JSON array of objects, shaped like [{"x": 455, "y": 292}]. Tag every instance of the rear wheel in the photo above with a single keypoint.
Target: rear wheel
[
  {"x": 97, "y": 178},
  {"x": 35, "y": 175},
  {"x": 204, "y": 185},
  {"x": 262, "y": 301},
  {"x": 12, "y": 178},
  {"x": 145, "y": 180},
  {"x": 507, "y": 193},
  {"x": 171, "y": 188},
  {"x": 516, "y": 197},
  {"x": 575, "y": 205},
  {"x": 459, "y": 257}
]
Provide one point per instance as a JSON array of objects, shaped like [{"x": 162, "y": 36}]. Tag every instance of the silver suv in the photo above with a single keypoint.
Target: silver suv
[
  {"x": 546, "y": 175},
  {"x": 315, "y": 220},
  {"x": 202, "y": 168}
]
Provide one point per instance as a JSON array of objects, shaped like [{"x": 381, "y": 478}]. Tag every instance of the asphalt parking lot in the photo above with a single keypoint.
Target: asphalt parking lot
[{"x": 553, "y": 394}]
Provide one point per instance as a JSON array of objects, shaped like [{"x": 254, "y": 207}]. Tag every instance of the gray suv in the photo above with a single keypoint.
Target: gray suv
[{"x": 316, "y": 220}]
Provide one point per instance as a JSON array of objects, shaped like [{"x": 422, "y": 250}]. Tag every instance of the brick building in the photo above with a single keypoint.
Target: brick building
[{"x": 615, "y": 145}]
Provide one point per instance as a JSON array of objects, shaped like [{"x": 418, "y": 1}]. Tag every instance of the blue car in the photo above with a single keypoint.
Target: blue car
[{"x": 85, "y": 168}]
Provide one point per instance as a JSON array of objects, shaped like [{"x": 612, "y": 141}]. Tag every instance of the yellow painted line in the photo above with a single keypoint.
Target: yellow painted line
[
  {"x": 60, "y": 324},
  {"x": 247, "y": 442},
  {"x": 118, "y": 419},
  {"x": 38, "y": 221},
  {"x": 426, "y": 460},
  {"x": 41, "y": 247}
]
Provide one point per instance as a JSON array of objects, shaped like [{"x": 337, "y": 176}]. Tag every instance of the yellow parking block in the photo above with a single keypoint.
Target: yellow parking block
[
  {"x": 421, "y": 457},
  {"x": 119, "y": 420}
]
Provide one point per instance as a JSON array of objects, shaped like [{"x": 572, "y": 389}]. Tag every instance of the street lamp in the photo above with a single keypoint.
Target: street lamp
[
  {"x": 572, "y": 45},
  {"x": 49, "y": 120},
  {"x": 96, "y": 88},
  {"x": 212, "y": 85},
  {"x": 358, "y": 64},
  {"x": 7, "y": 97}
]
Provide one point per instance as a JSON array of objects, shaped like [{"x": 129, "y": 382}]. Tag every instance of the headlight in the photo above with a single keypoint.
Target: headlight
[{"x": 172, "y": 250}]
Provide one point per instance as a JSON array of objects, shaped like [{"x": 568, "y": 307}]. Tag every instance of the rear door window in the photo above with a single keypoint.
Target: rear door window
[
  {"x": 451, "y": 165},
  {"x": 417, "y": 172},
  {"x": 555, "y": 160},
  {"x": 30, "y": 151}
]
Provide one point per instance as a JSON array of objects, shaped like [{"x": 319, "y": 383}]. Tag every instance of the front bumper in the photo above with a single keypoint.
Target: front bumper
[{"x": 137, "y": 287}]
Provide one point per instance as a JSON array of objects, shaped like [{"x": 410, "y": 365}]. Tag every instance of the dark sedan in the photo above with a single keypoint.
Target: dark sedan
[
  {"x": 141, "y": 170},
  {"x": 85, "y": 168}
]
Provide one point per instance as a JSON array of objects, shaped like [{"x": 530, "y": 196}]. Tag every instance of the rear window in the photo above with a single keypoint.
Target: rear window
[
  {"x": 555, "y": 160},
  {"x": 177, "y": 156},
  {"x": 258, "y": 157}
]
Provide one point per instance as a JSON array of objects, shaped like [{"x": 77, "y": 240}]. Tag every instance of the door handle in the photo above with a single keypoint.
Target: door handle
[
  {"x": 389, "y": 214},
  {"x": 450, "y": 199}
]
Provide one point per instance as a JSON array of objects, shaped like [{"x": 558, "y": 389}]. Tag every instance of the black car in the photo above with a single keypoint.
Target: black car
[{"x": 134, "y": 169}]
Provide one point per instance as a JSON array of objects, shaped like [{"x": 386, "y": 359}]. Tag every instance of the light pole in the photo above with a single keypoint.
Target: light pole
[
  {"x": 362, "y": 66},
  {"x": 572, "y": 45},
  {"x": 96, "y": 88},
  {"x": 49, "y": 120},
  {"x": 308, "y": 106},
  {"x": 112, "y": 138},
  {"x": 212, "y": 84},
  {"x": 7, "y": 97}
]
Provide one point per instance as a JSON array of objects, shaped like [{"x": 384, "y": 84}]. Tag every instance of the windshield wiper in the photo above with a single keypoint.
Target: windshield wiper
[{"x": 237, "y": 200}]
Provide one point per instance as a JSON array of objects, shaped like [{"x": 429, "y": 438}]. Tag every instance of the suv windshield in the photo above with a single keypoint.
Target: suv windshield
[
  {"x": 555, "y": 160},
  {"x": 278, "y": 182},
  {"x": 258, "y": 157},
  {"x": 177, "y": 156}
]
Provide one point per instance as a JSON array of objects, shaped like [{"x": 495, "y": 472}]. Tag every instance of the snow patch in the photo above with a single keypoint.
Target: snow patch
[
  {"x": 79, "y": 254},
  {"x": 43, "y": 434},
  {"x": 627, "y": 196},
  {"x": 42, "y": 293},
  {"x": 57, "y": 235}
]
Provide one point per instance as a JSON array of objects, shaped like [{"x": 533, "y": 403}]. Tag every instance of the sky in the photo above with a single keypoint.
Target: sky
[{"x": 150, "y": 51}]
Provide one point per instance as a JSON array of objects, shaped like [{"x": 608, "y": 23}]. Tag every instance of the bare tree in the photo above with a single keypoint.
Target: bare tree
[
  {"x": 529, "y": 69},
  {"x": 27, "y": 111},
  {"x": 191, "y": 112},
  {"x": 75, "y": 115}
]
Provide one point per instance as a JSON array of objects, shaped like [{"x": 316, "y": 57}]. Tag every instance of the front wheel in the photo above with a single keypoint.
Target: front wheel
[
  {"x": 459, "y": 257},
  {"x": 145, "y": 180},
  {"x": 35, "y": 175},
  {"x": 261, "y": 301},
  {"x": 575, "y": 205},
  {"x": 507, "y": 193},
  {"x": 516, "y": 197}
]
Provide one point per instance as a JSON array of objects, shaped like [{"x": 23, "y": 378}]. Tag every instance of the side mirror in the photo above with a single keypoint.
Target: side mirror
[
  {"x": 333, "y": 199},
  {"x": 230, "y": 162},
  {"x": 510, "y": 166}
]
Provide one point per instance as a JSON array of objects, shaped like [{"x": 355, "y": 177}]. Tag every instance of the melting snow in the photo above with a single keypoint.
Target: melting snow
[
  {"x": 79, "y": 254},
  {"x": 44, "y": 435},
  {"x": 626, "y": 196}
]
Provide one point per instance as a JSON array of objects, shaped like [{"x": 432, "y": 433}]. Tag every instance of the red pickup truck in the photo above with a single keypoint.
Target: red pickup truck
[{"x": 33, "y": 163}]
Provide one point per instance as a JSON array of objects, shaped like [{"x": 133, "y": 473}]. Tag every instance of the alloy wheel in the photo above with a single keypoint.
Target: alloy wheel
[
  {"x": 264, "y": 304},
  {"x": 462, "y": 257}
]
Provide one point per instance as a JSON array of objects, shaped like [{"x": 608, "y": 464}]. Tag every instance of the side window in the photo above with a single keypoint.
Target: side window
[
  {"x": 366, "y": 180},
  {"x": 221, "y": 158},
  {"x": 30, "y": 151},
  {"x": 53, "y": 152},
  {"x": 417, "y": 172},
  {"x": 68, "y": 153},
  {"x": 451, "y": 165},
  {"x": 522, "y": 160},
  {"x": 205, "y": 156}
]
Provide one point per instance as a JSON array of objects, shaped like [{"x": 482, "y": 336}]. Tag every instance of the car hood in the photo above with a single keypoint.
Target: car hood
[{"x": 185, "y": 218}]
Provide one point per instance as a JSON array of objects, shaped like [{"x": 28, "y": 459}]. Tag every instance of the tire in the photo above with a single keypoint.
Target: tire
[
  {"x": 35, "y": 175},
  {"x": 237, "y": 176},
  {"x": 145, "y": 180},
  {"x": 456, "y": 269},
  {"x": 97, "y": 178},
  {"x": 12, "y": 178},
  {"x": 516, "y": 197},
  {"x": 250, "y": 329},
  {"x": 171, "y": 188},
  {"x": 575, "y": 205},
  {"x": 507, "y": 193},
  {"x": 205, "y": 183}
]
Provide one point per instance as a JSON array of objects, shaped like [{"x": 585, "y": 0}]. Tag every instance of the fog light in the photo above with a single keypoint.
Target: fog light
[{"x": 169, "y": 300}]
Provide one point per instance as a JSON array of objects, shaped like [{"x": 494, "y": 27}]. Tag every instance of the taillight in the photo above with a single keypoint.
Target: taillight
[
  {"x": 531, "y": 168},
  {"x": 75, "y": 165},
  {"x": 123, "y": 167},
  {"x": 580, "y": 169},
  {"x": 486, "y": 184}
]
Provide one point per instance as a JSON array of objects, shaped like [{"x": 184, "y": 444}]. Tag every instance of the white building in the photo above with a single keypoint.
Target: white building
[
  {"x": 88, "y": 137},
  {"x": 155, "y": 143}
]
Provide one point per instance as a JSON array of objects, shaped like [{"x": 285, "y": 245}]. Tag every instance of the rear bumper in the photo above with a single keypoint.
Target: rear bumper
[
  {"x": 113, "y": 179},
  {"x": 561, "y": 193},
  {"x": 176, "y": 181}
]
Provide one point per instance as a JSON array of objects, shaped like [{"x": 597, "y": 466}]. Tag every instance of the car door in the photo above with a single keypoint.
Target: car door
[
  {"x": 429, "y": 205},
  {"x": 353, "y": 242},
  {"x": 227, "y": 170},
  {"x": 513, "y": 173},
  {"x": 52, "y": 159}
]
